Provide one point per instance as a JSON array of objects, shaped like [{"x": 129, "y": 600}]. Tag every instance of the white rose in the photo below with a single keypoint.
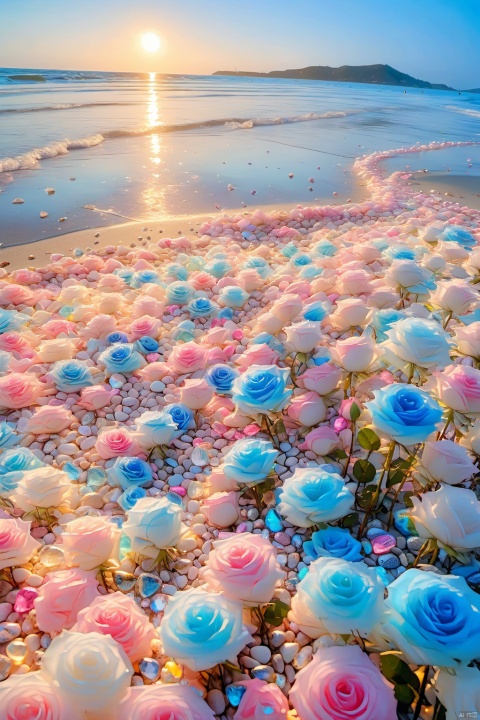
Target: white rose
[
  {"x": 155, "y": 428},
  {"x": 350, "y": 312},
  {"x": 455, "y": 296},
  {"x": 451, "y": 515},
  {"x": 407, "y": 274},
  {"x": 459, "y": 691},
  {"x": 304, "y": 336},
  {"x": 355, "y": 354},
  {"x": 89, "y": 670},
  {"x": 473, "y": 264},
  {"x": 109, "y": 303},
  {"x": 73, "y": 294},
  {"x": 472, "y": 439},
  {"x": 435, "y": 263},
  {"x": 452, "y": 253},
  {"x": 90, "y": 541},
  {"x": 43, "y": 487},
  {"x": 447, "y": 461},
  {"x": 50, "y": 351},
  {"x": 16, "y": 544},
  {"x": 154, "y": 524},
  {"x": 288, "y": 307},
  {"x": 468, "y": 339}
]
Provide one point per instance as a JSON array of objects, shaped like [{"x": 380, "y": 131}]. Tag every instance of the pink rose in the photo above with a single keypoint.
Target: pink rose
[
  {"x": 61, "y": 597},
  {"x": 26, "y": 277},
  {"x": 58, "y": 326},
  {"x": 221, "y": 509},
  {"x": 96, "y": 397},
  {"x": 354, "y": 282},
  {"x": 49, "y": 419},
  {"x": 202, "y": 281},
  {"x": 98, "y": 327},
  {"x": 347, "y": 406},
  {"x": 119, "y": 616},
  {"x": 90, "y": 541},
  {"x": 15, "y": 343},
  {"x": 350, "y": 313},
  {"x": 458, "y": 387},
  {"x": 218, "y": 482},
  {"x": 468, "y": 339},
  {"x": 455, "y": 296},
  {"x": 16, "y": 295},
  {"x": 30, "y": 697},
  {"x": 321, "y": 441},
  {"x": 383, "y": 297},
  {"x": 153, "y": 371},
  {"x": 218, "y": 408},
  {"x": 147, "y": 306},
  {"x": 342, "y": 682},
  {"x": 145, "y": 325},
  {"x": 187, "y": 358},
  {"x": 260, "y": 354},
  {"x": 269, "y": 323},
  {"x": 261, "y": 700},
  {"x": 164, "y": 702},
  {"x": 307, "y": 409},
  {"x": 217, "y": 336},
  {"x": 20, "y": 390},
  {"x": 354, "y": 354},
  {"x": 196, "y": 393},
  {"x": 322, "y": 379},
  {"x": 114, "y": 442},
  {"x": 16, "y": 544},
  {"x": 111, "y": 282},
  {"x": 287, "y": 307},
  {"x": 243, "y": 567},
  {"x": 250, "y": 280}
]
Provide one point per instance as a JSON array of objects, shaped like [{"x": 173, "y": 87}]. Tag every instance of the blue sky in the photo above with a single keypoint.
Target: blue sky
[{"x": 436, "y": 40}]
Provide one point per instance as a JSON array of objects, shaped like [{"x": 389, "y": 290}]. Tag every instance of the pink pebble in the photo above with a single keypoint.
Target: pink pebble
[
  {"x": 152, "y": 357},
  {"x": 383, "y": 544},
  {"x": 251, "y": 430},
  {"x": 237, "y": 335},
  {"x": 5, "y": 610},
  {"x": 24, "y": 600},
  {"x": 242, "y": 527},
  {"x": 311, "y": 180},
  {"x": 179, "y": 490}
]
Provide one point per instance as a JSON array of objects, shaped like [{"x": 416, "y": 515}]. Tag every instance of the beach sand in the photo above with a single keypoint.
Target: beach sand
[{"x": 462, "y": 188}]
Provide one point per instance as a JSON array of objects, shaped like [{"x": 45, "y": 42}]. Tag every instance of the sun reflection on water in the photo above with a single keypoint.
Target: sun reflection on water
[{"x": 154, "y": 193}]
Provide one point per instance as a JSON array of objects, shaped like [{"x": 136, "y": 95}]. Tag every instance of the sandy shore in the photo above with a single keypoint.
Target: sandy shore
[{"x": 462, "y": 188}]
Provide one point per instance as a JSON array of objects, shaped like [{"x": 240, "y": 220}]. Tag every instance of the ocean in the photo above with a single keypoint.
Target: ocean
[{"x": 121, "y": 146}]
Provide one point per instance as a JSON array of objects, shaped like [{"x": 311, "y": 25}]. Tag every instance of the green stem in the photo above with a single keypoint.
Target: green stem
[
  {"x": 421, "y": 552},
  {"x": 350, "y": 451},
  {"x": 421, "y": 695},
  {"x": 447, "y": 320},
  {"x": 447, "y": 424},
  {"x": 376, "y": 495}
]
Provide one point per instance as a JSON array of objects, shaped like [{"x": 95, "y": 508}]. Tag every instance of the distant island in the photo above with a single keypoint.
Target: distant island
[{"x": 371, "y": 74}]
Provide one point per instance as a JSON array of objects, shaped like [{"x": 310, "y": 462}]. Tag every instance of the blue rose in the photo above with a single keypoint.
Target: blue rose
[
  {"x": 13, "y": 463},
  {"x": 179, "y": 293},
  {"x": 311, "y": 271},
  {"x": 459, "y": 235},
  {"x": 177, "y": 271},
  {"x": 404, "y": 413},
  {"x": 218, "y": 268},
  {"x": 144, "y": 277},
  {"x": 314, "y": 495},
  {"x": 71, "y": 375},
  {"x": 399, "y": 252},
  {"x": 128, "y": 471},
  {"x": 289, "y": 250},
  {"x": 232, "y": 296},
  {"x": 146, "y": 345},
  {"x": 128, "y": 498},
  {"x": 117, "y": 337},
  {"x": 338, "y": 597},
  {"x": 333, "y": 542},
  {"x": 121, "y": 358},
  {"x": 432, "y": 619},
  {"x": 11, "y": 320},
  {"x": 316, "y": 311},
  {"x": 259, "y": 264},
  {"x": 325, "y": 248},
  {"x": 8, "y": 437},
  {"x": 182, "y": 416},
  {"x": 221, "y": 377},
  {"x": 300, "y": 260},
  {"x": 225, "y": 313},
  {"x": 249, "y": 461},
  {"x": 262, "y": 389},
  {"x": 383, "y": 320},
  {"x": 201, "y": 307},
  {"x": 124, "y": 273}
]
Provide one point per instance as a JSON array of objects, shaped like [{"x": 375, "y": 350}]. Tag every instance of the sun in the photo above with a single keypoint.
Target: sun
[{"x": 150, "y": 42}]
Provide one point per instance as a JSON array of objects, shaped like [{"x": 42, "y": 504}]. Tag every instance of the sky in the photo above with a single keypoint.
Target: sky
[{"x": 434, "y": 40}]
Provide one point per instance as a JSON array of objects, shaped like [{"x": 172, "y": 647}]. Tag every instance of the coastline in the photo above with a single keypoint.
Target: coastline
[{"x": 464, "y": 189}]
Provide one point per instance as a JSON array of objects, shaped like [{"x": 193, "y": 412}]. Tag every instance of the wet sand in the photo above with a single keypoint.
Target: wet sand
[{"x": 464, "y": 189}]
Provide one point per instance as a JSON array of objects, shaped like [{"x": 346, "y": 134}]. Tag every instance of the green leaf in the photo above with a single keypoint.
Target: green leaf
[
  {"x": 349, "y": 520},
  {"x": 354, "y": 412},
  {"x": 407, "y": 499},
  {"x": 267, "y": 485},
  {"x": 397, "y": 671},
  {"x": 275, "y": 613},
  {"x": 364, "y": 471},
  {"x": 395, "y": 479},
  {"x": 368, "y": 439},
  {"x": 339, "y": 454},
  {"x": 364, "y": 499},
  {"x": 404, "y": 694}
]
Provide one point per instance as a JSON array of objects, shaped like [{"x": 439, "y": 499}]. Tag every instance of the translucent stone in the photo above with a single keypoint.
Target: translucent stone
[
  {"x": 25, "y": 599},
  {"x": 195, "y": 490},
  {"x": 297, "y": 541},
  {"x": 174, "y": 669},
  {"x": 199, "y": 457},
  {"x": 264, "y": 672},
  {"x": 72, "y": 470},
  {"x": 149, "y": 668},
  {"x": 5, "y": 667},
  {"x": 302, "y": 573},
  {"x": 88, "y": 418},
  {"x": 235, "y": 693},
  {"x": 66, "y": 311},
  {"x": 273, "y": 521},
  {"x": 116, "y": 382},
  {"x": 51, "y": 555},
  {"x": 124, "y": 581},
  {"x": 158, "y": 604},
  {"x": 17, "y": 651},
  {"x": 96, "y": 477},
  {"x": 148, "y": 584},
  {"x": 173, "y": 497}
]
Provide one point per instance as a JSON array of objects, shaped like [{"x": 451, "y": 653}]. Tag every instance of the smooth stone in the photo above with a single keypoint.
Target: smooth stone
[
  {"x": 158, "y": 604},
  {"x": 148, "y": 584},
  {"x": 261, "y": 653},
  {"x": 273, "y": 521},
  {"x": 9, "y": 631},
  {"x": 289, "y": 650},
  {"x": 264, "y": 672},
  {"x": 124, "y": 581},
  {"x": 216, "y": 700},
  {"x": 374, "y": 532},
  {"x": 414, "y": 543},
  {"x": 5, "y": 667},
  {"x": 388, "y": 561},
  {"x": 235, "y": 694},
  {"x": 382, "y": 544},
  {"x": 149, "y": 668},
  {"x": 367, "y": 546},
  {"x": 278, "y": 638},
  {"x": 474, "y": 579}
]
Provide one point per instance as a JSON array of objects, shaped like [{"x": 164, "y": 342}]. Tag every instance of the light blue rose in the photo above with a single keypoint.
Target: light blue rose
[
  {"x": 13, "y": 463},
  {"x": 459, "y": 235},
  {"x": 338, "y": 597},
  {"x": 383, "y": 320},
  {"x": 399, "y": 252},
  {"x": 124, "y": 273},
  {"x": 8, "y": 436},
  {"x": 221, "y": 377},
  {"x": 11, "y": 320},
  {"x": 144, "y": 277},
  {"x": 117, "y": 337},
  {"x": 128, "y": 498},
  {"x": 177, "y": 271},
  {"x": 432, "y": 619},
  {"x": 262, "y": 389},
  {"x": 179, "y": 293},
  {"x": 316, "y": 311},
  {"x": 311, "y": 271},
  {"x": 218, "y": 268},
  {"x": 201, "y": 629},
  {"x": 155, "y": 428},
  {"x": 128, "y": 471},
  {"x": 146, "y": 345},
  {"x": 249, "y": 461},
  {"x": 121, "y": 358},
  {"x": 71, "y": 375},
  {"x": 334, "y": 542},
  {"x": 259, "y": 264},
  {"x": 404, "y": 413},
  {"x": 314, "y": 495},
  {"x": 232, "y": 296},
  {"x": 300, "y": 260},
  {"x": 325, "y": 248},
  {"x": 182, "y": 416},
  {"x": 415, "y": 340},
  {"x": 289, "y": 250},
  {"x": 202, "y": 307}
]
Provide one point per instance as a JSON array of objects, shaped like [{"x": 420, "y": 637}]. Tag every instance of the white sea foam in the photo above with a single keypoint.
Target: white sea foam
[
  {"x": 258, "y": 122},
  {"x": 463, "y": 111},
  {"x": 32, "y": 157}
]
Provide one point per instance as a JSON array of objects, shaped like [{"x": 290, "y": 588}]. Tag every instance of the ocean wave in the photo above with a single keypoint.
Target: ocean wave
[
  {"x": 463, "y": 111},
  {"x": 60, "y": 106},
  {"x": 31, "y": 158},
  {"x": 259, "y": 122},
  {"x": 34, "y": 77}
]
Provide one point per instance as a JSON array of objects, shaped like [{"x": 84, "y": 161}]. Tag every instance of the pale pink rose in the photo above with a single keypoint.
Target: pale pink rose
[
  {"x": 237, "y": 419},
  {"x": 269, "y": 323},
  {"x": 96, "y": 397},
  {"x": 31, "y": 697},
  {"x": 110, "y": 282},
  {"x": 195, "y": 394},
  {"x": 147, "y": 306},
  {"x": 287, "y": 307},
  {"x": 321, "y": 441},
  {"x": 350, "y": 313},
  {"x": 74, "y": 293},
  {"x": 24, "y": 276},
  {"x": 14, "y": 343},
  {"x": 355, "y": 354},
  {"x": 49, "y": 419},
  {"x": 217, "y": 336},
  {"x": 218, "y": 482},
  {"x": 151, "y": 290},
  {"x": 164, "y": 702},
  {"x": 367, "y": 253},
  {"x": 243, "y": 567},
  {"x": 304, "y": 336},
  {"x": 20, "y": 390},
  {"x": 261, "y": 700},
  {"x": 84, "y": 314},
  {"x": 455, "y": 296},
  {"x": 187, "y": 358},
  {"x": 452, "y": 253},
  {"x": 322, "y": 379},
  {"x": 120, "y": 617},
  {"x": 110, "y": 303},
  {"x": 382, "y": 297},
  {"x": 458, "y": 387},
  {"x": 260, "y": 354},
  {"x": 44, "y": 487},
  {"x": 89, "y": 542},
  {"x": 216, "y": 355},
  {"x": 98, "y": 327},
  {"x": 446, "y": 461},
  {"x": 61, "y": 597},
  {"x": 468, "y": 339},
  {"x": 342, "y": 682},
  {"x": 250, "y": 280},
  {"x": 221, "y": 509},
  {"x": 153, "y": 371},
  {"x": 355, "y": 282},
  {"x": 145, "y": 325},
  {"x": 218, "y": 408},
  {"x": 114, "y": 442},
  {"x": 346, "y": 407},
  {"x": 50, "y": 351},
  {"x": 307, "y": 409},
  {"x": 11, "y": 294},
  {"x": 16, "y": 544},
  {"x": 58, "y": 326},
  {"x": 202, "y": 281}
]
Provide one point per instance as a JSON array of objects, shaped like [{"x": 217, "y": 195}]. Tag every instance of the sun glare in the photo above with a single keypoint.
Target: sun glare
[{"x": 150, "y": 42}]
